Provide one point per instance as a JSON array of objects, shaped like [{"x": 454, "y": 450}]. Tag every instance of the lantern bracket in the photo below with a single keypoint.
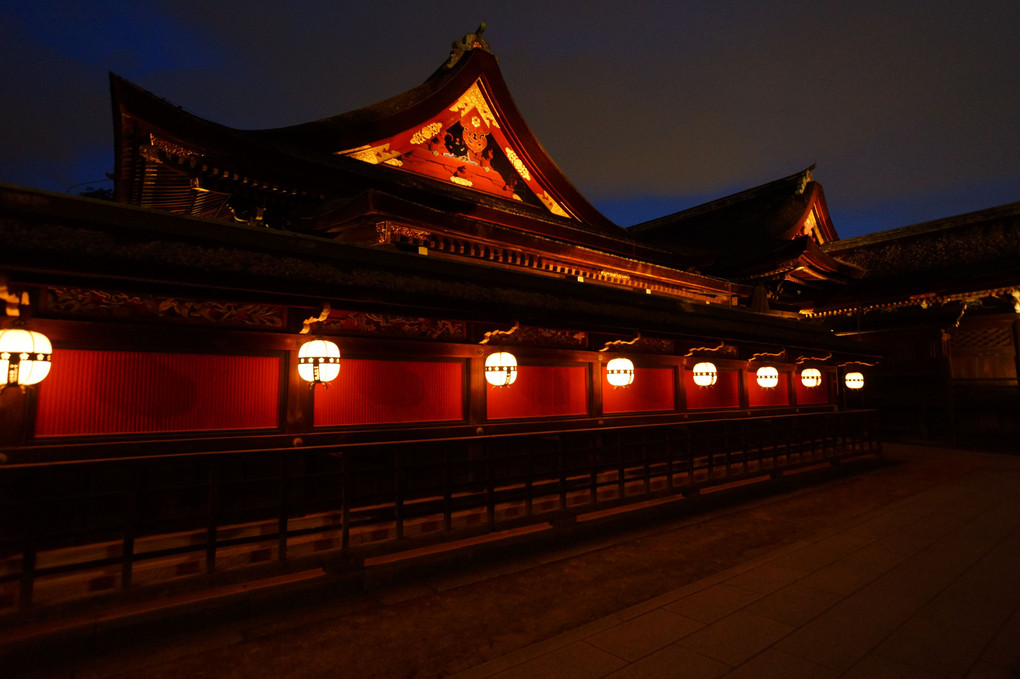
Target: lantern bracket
[
  {"x": 722, "y": 348},
  {"x": 620, "y": 342},
  {"x": 312, "y": 320},
  {"x": 814, "y": 359},
  {"x": 13, "y": 302},
  {"x": 778, "y": 354},
  {"x": 489, "y": 335}
]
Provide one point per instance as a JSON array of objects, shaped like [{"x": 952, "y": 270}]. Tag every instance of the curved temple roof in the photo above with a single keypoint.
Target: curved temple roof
[
  {"x": 460, "y": 127},
  {"x": 453, "y": 165}
]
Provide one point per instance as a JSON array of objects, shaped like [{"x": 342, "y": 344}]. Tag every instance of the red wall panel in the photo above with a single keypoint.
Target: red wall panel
[
  {"x": 725, "y": 393},
  {"x": 540, "y": 391},
  {"x": 124, "y": 392},
  {"x": 778, "y": 395},
  {"x": 815, "y": 395},
  {"x": 391, "y": 392},
  {"x": 653, "y": 389}
]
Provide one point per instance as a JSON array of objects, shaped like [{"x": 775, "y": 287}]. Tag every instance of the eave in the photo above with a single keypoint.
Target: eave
[
  {"x": 380, "y": 219},
  {"x": 52, "y": 239}
]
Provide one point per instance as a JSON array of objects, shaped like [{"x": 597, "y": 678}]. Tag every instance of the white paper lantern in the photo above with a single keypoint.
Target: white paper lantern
[
  {"x": 705, "y": 374},
  {"x": 811, "y": 377},
  {"x": 768, "y": 377},
  {"x": 24, "y": 357},
  {"x": 318, "y": 361},
  {"x": 854, "y": 380},
  {"x": 620, "y": 372},
  {"x": 500, "y": 369}
]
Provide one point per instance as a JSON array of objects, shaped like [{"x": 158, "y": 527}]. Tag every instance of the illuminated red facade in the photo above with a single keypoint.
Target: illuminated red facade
[
  {"x": 419, "y": 234},
  {"x": 423, "y": 222}
]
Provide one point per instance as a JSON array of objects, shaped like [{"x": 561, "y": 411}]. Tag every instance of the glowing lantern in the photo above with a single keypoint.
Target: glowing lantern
[
  {"x": 620, "y": 372},
  {"x": 705, "y": 374},
  {"x": 768, "y": 377},
  {"x": 318, "y": 361},
  {"x": 811, "y": 377},
  {"x": 24, "y": 357},
  {"x": 854, "y": 380},
  {"x": 500, "y": 369}
]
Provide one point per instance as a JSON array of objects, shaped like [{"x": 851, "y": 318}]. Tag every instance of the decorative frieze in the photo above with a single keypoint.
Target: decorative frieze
[
  {"x": 546, "y": 337},
  {"x": 364, "y": 323},
  {"x": 170, "y": 147},
  {"x": 388, "y": 232},
  {"x": 88, "y": 303}
]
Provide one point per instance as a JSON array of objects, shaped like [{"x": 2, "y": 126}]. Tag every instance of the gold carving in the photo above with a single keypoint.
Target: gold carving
[
  {"x": 426, "y": 133},
  {"x": 616, "y": 277},
  {"x": 517, "y": 163},
  {"x": 373, "y": 154},
  {"x": 359, "y": 322},
  {"x": 103, "y": 303},
  {"x": 170, "y": 147},
  {"x": 460, "y": 180},
  {"x": 391, "y": 231},
  {"x": 473, "y": 99},
  {"x": 552, "y": 205},
  {"x": 548, "y": 336}
]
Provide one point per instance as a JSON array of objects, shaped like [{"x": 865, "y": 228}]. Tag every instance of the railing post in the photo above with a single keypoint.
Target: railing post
[
  {"x": 447, "y": 491},
  {"x": 282, "y": 520},
  {"x": 621, "y": 470},
  {"x": 213, "y": 508},
  {"x": 644, "y": 461},
  {"x": 346, "y": 471},
  {"x": 490, "y": 489},
  {"x": 398, "y": 491},
  {"x": 28, "y": 552},
  {"x": 130, "y": 526},
  {"x": 529, "y": 467},
  {"x": 561, "y": 461},
  {"x": 670, "y": 442}
]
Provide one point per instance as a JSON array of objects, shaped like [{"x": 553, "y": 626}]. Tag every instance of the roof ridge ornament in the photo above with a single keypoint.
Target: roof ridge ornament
[{"x": 470, "y": 42}]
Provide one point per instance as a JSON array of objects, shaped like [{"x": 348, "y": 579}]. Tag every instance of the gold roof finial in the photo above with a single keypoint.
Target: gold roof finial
[{"x": 471, "y": 41}]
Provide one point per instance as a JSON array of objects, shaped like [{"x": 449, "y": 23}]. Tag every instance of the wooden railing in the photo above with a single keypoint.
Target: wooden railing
[{"x": 75, "y": 531}]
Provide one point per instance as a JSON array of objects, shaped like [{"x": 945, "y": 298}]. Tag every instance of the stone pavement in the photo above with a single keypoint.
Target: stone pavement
[
  {"x": 928, "y": 586},
  {"x": 909, "y": 568}
]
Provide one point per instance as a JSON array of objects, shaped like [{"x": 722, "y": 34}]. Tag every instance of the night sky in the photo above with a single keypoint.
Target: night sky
[{"x": 910, "y": 109}]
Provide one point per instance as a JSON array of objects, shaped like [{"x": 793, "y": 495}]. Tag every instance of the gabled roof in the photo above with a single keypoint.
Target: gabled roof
[
  {"x": 772, "y": 231},
  {"x": 461, "y": 126},
  {"x": 419, "y": 132},
  {"x": 451, "y": 164},
  {"x": 966, "y": 257}
]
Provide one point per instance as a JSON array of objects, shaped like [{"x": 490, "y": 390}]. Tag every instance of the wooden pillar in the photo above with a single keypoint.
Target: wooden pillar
[
  {"x": 596, "y": 371},
  {"x": 298, "y": 397},
  {"x": 14, "y": 420},
  {"x": 477, "y": 387}
]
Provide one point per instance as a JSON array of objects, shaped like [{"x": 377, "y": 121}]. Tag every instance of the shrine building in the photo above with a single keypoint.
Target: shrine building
[{"x": 319, "y": 345}]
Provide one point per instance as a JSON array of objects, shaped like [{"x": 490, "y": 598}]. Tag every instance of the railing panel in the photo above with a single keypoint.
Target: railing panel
[{"x": 122, "y": 518}]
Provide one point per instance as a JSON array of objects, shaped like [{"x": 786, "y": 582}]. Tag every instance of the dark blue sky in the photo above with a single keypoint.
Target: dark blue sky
[{"x": 910, "y": 109}]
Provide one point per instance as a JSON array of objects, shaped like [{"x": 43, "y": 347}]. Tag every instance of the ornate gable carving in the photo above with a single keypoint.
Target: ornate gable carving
[{"x": 466, "y": 144}]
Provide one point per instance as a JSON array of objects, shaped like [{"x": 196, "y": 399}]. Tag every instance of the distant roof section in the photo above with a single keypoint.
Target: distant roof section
[
  {"x": 778, "y": 209},
  {"x": 770, "y": 233},
  {"x": 963, "y": 258}
]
